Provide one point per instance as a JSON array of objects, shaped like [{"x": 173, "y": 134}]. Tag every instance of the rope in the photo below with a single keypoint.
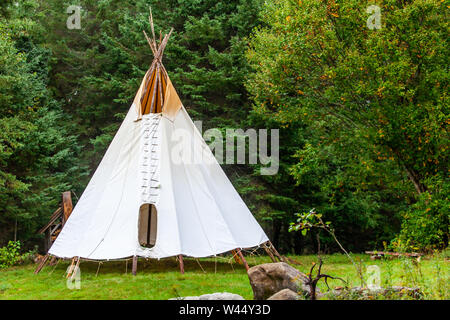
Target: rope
[
  {"x": 99, "y": 264},
  {"x": 231, "y": 264},
  {"x": 57, "y": 261},
  {"x": 200, "y": 265},
  {"x": 74, "y": 194},
  {"x": 253, "y": 252}
]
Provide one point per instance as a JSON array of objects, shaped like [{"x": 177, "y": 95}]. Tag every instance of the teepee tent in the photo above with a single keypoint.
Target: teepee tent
[{"x": 148, "y": 198}]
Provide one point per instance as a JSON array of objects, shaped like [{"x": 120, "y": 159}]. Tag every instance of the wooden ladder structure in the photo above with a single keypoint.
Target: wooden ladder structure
[{"x": 55, "y": 225}]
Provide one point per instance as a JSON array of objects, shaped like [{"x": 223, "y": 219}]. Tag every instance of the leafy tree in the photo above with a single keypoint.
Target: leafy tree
[
  {"x": 426, "y": 224},
  {"x": 376, "y": 98}
]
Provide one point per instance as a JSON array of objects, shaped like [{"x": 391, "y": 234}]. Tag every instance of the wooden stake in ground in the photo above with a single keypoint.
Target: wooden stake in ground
[
  {"x": 242, "y": 258},
  {"x": 180, "y": 257},
  {"x": 71, "y": 267},
  {"x": 134, "y": 267},
  {"x": 41, "y": 264},
  {"x": 76, "y": 269}
]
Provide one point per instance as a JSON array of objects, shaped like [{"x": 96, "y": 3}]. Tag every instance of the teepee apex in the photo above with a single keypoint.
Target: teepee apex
[
  {"x": 153, "y": 91},
  {"x": 156, "y": 48}
]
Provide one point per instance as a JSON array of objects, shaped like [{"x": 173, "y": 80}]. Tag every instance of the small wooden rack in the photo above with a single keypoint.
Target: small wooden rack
[{"x": 55, "y": 225}]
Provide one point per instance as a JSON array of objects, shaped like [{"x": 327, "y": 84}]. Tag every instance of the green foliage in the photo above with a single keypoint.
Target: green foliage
[
  {"x": 426, "y": 223},
  {"x": 372, "y": 105},
  {"x": 10, "y": 254},
  {"x": 307, "y": 220},
  {"x": 36, "y": 151}
]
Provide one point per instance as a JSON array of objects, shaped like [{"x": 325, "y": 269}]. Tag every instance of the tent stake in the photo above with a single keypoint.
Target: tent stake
[
  {"x": 242, "y": 258},
  {"x": 76, "y": 269},
  {"x": 41, "y": 265},
  {"x": 69, "y": 271},
  {"x": 98, "y": 269},
  {"x": 180, "y": 257},
  {"x": 134, "y": 268}
]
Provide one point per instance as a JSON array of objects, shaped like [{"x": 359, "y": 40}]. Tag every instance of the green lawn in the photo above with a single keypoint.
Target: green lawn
[{"x": 162, "y": 279}]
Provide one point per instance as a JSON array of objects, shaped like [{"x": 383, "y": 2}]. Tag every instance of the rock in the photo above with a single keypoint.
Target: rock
[
  {"x": 221, "y": 296},
  {"x": 213, "y": 296},
  {"x": 285, "y": 294},
  {"x": 270, "y": 278}
]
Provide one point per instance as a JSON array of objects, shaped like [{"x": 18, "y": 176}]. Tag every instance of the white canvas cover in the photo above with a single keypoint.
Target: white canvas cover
[{"x": 199, "y": 213}]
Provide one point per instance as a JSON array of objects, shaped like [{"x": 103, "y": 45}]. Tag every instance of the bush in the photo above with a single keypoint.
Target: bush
[
  {"x": 426, "y": 223},
  {"x": 10, "y": 254}
]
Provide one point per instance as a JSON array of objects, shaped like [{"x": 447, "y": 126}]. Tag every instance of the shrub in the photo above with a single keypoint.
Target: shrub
[
  {"x": 10, "y": 254},
  {"x": 426, "y": 223}
]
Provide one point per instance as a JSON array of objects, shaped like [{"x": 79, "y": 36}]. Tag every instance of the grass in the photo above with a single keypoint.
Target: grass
[{"x": 162, "y": 279}]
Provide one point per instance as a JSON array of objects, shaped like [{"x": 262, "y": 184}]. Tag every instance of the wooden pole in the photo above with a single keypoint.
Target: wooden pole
[
  {"x": 41, "y": 264},
  {"x": 150, "y": 19},
  {"x": 48, "y": 240},
  {"x": 269, "y": 252},
  {"x": 70, "y": 270},
  {"x": 236, "y": 257},
  {"x": 76, "y": 268},
  {"x": 66, "y": 205},
  {"x": 134, "y": 267},
  {"x": 150, "y": 43},
  {"x": 180, "y": 257},
  {"x": 242, "y": 258},
  {"x": 272, "y": 247}
]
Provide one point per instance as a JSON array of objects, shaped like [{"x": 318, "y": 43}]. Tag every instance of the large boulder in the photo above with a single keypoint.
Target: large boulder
[
  {"x": 285, "y": 294},
  {"x": 270, "y": 278}
]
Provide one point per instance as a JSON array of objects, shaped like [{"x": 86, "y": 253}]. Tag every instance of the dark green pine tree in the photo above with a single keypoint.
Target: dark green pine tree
[{"x": 37, "y": 152}]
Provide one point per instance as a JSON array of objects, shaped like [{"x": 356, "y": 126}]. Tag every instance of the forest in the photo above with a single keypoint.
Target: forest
[{"x": 362, "y": 112}]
